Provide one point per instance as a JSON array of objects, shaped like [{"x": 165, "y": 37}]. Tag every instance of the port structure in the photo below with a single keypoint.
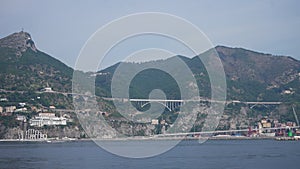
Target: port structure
[{"x": 223, "y": 131}]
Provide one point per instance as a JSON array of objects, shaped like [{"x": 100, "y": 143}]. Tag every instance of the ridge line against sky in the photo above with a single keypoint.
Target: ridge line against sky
[{"x": 61, "y": 28}]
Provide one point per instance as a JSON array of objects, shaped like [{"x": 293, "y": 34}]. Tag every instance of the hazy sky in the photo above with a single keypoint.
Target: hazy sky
[{"x": 61, "y": 28}]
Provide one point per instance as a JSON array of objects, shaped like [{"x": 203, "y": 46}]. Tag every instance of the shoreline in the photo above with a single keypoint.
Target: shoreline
[{"x": 49, "y": 140}]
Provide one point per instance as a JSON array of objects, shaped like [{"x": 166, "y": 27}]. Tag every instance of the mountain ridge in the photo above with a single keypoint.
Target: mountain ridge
[
  {"x": 243, "y": 68},
  {"x": 251, "y": 76}
]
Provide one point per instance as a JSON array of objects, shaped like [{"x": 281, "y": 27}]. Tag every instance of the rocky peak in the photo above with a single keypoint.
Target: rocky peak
[
  {"x": 20, "y": 41},
  {"x": 224, "y": 49}
]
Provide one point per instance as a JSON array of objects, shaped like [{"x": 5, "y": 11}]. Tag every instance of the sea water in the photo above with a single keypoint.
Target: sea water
[{"x": 189, "y": 154}]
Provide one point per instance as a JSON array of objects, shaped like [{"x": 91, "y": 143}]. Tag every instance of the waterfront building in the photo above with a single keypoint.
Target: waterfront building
[
  {"x": 266, "y": 125},
  {"x": 32, "y": 134},
  {"x": 47, "y": 119}
]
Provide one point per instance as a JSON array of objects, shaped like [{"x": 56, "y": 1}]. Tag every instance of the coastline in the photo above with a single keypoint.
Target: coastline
[{"x": 50, "y": 140}]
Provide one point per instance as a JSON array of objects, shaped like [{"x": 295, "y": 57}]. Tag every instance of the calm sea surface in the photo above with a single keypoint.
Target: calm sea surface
[{"x": 233, "y": 154}]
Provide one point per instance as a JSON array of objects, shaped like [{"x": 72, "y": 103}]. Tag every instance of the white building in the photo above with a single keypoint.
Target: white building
[
  {"x": 47, "y": 119},
  {"x": 52, "y": 107},
  {"x": 21, "y": 109},
  {"x": 47, "y": 89},
  {"x": 1, "y": 109},
  {"x": 21, "y": 118},
  {"x": 22, "y": 104},
  {"x": 154, "y": 121},
  {"x": 3, "y": 99}
]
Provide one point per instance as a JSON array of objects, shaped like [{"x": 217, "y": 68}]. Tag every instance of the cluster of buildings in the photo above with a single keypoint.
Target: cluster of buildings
[
  {"x": 21, "y": 107},
  {"x": 272, "y": 128},
  {"x": 44, "y": 118},
  {"x": 9, "y": 110}
]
